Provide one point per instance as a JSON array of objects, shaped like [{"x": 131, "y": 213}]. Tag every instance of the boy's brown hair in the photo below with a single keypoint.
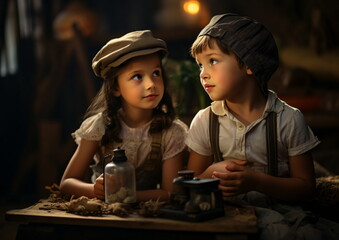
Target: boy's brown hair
[{"x": 205, "y": 41}]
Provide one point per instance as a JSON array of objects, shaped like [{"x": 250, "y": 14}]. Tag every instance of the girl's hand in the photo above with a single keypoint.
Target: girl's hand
[
  {"x": 236, "y": 179},
  {"x": 98, "y": 188}
]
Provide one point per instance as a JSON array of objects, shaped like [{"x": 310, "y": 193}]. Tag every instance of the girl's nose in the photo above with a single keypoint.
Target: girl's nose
[{"x": 149, "y": 83}]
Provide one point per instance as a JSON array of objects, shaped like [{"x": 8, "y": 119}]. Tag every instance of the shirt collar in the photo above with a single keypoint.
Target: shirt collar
[
  {"x": 219, "y": 107},
  {"x": 272, "y": 104}
]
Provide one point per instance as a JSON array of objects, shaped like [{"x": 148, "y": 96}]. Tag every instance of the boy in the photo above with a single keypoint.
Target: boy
[{"x": 237, "y": 56}]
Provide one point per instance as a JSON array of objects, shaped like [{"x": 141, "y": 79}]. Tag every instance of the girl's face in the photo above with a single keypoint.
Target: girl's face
[
  {"x": 220, "y": 74},
  {"x": 140, "y": 82}
]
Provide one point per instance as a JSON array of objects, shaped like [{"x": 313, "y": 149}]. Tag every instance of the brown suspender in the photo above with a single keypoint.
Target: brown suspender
[
  {"x": 271, "y": 140},
  {"x": 214, "y": 137},
  {"x": 271, "y": 143},
  {"x": 155, "y": 153}
]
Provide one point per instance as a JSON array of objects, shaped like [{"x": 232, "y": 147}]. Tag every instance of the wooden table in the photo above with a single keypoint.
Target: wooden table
[{"x": 238, "y": 223}]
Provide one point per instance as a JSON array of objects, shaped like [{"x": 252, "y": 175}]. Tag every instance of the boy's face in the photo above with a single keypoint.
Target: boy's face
[
  {"x": 140, "y": 83},
  {"x": 220, "y": 74}
]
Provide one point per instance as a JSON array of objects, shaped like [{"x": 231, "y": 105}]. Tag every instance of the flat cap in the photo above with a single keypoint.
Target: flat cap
[
  {"x": 250, "y": 41},
  {"x": 119, "y": 50}
]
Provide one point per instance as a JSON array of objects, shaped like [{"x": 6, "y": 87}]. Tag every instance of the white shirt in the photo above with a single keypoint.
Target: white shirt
[{"x": 238, "y": 141}]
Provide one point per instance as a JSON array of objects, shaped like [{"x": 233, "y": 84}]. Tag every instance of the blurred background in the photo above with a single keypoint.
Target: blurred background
[{"x": 47, "y": 81}]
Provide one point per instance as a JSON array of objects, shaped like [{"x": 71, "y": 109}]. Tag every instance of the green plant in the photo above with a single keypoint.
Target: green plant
[{"x": 187, "y": 92}]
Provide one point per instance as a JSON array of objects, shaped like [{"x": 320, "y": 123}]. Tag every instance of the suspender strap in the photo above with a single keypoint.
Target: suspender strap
[
  {"x": 107, "y": 155},
  {"x": 155, "y": 153},
  {"x": 214, "y": 136},
  {"x": 271, "y": 143}
]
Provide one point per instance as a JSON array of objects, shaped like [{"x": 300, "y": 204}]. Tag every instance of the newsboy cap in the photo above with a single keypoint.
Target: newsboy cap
[
  {"x": 250, "y": 41},
  {"x": 119, "y": 50}
]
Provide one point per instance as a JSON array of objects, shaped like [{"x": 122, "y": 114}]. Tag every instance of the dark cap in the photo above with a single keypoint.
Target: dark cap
[
  {"x": 119, "y": 50},
  {"x": 250, "y": 41}
]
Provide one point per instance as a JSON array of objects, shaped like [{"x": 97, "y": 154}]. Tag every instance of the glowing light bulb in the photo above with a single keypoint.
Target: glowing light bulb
[{"x": 192, "y": 7}]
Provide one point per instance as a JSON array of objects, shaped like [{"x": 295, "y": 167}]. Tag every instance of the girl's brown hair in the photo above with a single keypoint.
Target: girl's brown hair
[{"x": 109, "y": 105}]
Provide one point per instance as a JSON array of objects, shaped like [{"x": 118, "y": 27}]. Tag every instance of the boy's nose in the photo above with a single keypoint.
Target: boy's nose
[{"x": 204, "y": 74}]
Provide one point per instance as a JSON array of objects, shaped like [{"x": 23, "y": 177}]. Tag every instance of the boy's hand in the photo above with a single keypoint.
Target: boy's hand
[
  {"x": 236, "y": 179},
  {"x": 98, "y": 188},
  {"x": 221, "y": 166}
]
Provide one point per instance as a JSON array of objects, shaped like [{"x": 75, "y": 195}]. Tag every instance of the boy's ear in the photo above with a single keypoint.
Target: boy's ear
[{"x": 249, "y": 71}]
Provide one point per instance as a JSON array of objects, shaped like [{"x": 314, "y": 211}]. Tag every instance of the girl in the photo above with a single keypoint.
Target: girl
[{"x": 132, "y": 111}]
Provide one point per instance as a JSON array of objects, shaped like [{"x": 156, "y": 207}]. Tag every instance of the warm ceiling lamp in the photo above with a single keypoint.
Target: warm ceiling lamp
[{"x": 192, "y": 7}]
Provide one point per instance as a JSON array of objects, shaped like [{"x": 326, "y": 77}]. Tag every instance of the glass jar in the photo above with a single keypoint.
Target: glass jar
[
  {"x": 119, "y": 179},
  {"x": 200, "y": 201}
]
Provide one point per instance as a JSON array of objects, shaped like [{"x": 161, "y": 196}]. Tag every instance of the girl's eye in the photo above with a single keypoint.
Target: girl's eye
[
  {"x": 156, "y": 73},
  {"x": 200, "y": 66},
  {"x": 213, "y": 61},
  {"x": 137, "y": 77}
]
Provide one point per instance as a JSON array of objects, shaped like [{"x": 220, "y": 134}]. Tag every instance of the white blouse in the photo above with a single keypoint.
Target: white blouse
[{"x": 135, "y": 141}]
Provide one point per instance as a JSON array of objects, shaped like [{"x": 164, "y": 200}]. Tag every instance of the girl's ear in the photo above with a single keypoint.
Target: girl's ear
[
  {"x": 249, "y": 71},
  {"x": 116, "y": 92}
]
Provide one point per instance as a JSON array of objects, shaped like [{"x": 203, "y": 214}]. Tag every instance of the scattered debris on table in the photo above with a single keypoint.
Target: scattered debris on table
[
  {"x": 150, "y": 208},
  {"x": 95, "y": 207}
]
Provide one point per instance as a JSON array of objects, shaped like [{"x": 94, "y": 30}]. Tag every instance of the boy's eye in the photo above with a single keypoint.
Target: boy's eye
[
  {"x": 213, "y": 61},
  {"x": 156, "y": 73},
  {"x": 136, "y": 77}
]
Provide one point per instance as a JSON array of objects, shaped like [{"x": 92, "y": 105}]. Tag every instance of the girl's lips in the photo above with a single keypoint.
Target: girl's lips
[
  {"x": 208, "y": 87},
  {"x": 151, "y": 96}
]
